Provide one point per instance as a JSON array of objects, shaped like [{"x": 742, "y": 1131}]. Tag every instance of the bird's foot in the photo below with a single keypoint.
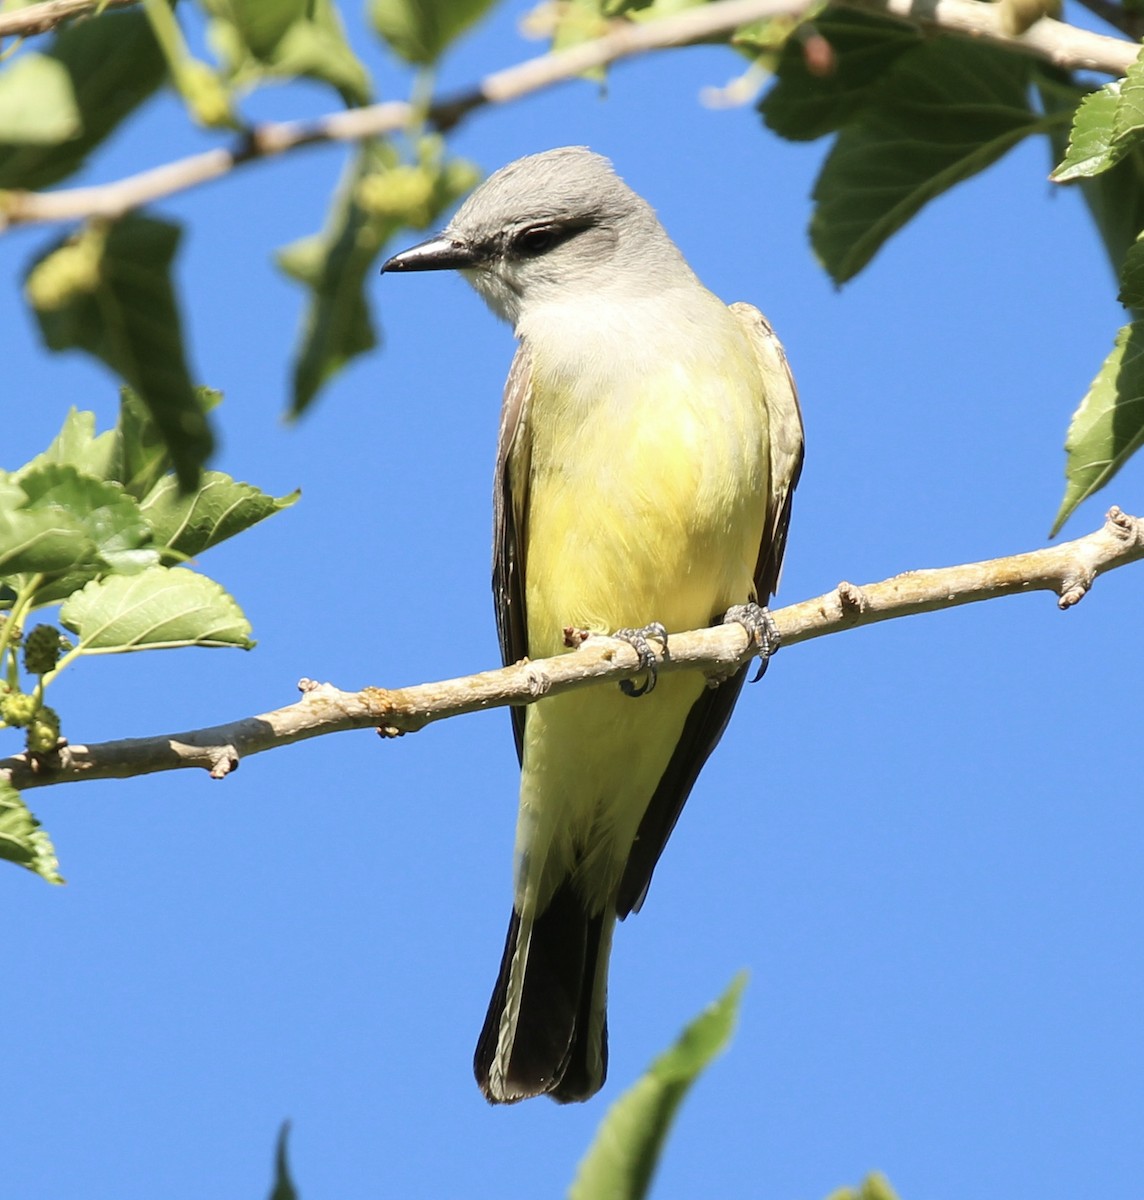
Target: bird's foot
[
  {"x": 761, "y": 629},
  {"x": 639, "y": 640}
]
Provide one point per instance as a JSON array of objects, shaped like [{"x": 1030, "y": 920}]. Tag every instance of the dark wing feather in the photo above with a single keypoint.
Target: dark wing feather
[
  {"x": 710, "y": 713},
  {"x": 701, "y": 733},
  {"x": 510, "y": 503}
]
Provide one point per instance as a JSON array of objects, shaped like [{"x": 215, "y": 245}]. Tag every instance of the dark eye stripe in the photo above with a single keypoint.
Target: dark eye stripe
[{"x": 539, "y": 239}]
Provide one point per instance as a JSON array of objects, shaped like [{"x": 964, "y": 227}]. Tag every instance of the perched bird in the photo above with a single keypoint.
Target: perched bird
[{"x": 649, "y": 444}]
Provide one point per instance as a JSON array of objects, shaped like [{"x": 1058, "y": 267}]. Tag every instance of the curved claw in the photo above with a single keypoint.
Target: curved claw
[
  {"x": 761, "y": 629},
  {"x": 638, "y": 639}
]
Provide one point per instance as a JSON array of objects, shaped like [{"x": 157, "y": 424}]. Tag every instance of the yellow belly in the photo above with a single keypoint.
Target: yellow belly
[{"x": 644, "y": 505}]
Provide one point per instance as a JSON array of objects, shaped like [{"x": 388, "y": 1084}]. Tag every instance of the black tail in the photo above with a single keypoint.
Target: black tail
[{"x": 555, "y": 1039}]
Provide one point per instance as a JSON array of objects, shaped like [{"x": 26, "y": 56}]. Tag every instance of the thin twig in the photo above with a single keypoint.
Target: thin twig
[
  {"x": 1063, "y": 45},
  {"x": 1068, "y": 569}
]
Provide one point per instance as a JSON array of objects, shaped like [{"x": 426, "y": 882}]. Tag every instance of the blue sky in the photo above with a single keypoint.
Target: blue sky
[{"x": 922, "y": 839}]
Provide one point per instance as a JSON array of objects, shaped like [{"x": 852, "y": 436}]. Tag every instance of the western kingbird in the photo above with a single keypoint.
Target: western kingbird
[{"x": 650, "y": 441}]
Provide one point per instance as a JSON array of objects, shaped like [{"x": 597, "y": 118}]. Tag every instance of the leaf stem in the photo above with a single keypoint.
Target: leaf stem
[
  {"x": 75, "y": 652},
  {"x": 19, "y": 610}
]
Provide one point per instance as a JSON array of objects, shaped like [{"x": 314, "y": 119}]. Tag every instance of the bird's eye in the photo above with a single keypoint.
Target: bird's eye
[{"x": 537, "y": 240}]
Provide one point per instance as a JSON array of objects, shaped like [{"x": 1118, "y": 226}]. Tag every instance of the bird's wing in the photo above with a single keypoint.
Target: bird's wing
[
  {"x": 711, "y": 712},
  {"x": 784, "y": 420},
  {"x": 510, "y": 503}
]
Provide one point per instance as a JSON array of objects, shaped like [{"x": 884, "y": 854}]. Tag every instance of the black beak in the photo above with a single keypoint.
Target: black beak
[{"x": 440, "y": 253}]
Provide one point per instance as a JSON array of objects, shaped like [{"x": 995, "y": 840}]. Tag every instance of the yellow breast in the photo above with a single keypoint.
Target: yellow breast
[{"x": 646, "y": 494}]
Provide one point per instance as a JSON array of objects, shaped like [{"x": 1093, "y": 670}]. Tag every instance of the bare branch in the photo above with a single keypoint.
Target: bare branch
[
  {"x": 1063, "y": 45},
  {"x": 39, "y": 18},
  {"x": 1068, "y": 569}
]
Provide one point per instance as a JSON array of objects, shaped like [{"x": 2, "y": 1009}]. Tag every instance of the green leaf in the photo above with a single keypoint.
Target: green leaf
[
  {"x": 873, "y": 1187},
  {"x": 946, "y": 110},
  {"x": 259, "y": 24},
  {"x": 207, "y": 96},
  {"x": 317, "y": 49},
  {"x": 68, "y": 524},
  {"x": 190, "y": 523},
  {"x": 110, "y": 518},
  {"x": 113, "y": 65},
  {"x": 1132, "y": 276},
  {"x": 284, "y": 39},
  {"x": 283, "y": 1187},
  {"x": 1108, "y": 427},
  {"x": 1129, "y": 119},
  {"x": 378, "y": 194},
  {"x": 142, "y": 457},
  {"x": 419, "y": 31},
  {"x": 802, "y": 106},
  {"x": 22, "y": 840},
  {"x": 62, "y": 527},
  {"x": 110, "y": 294},
  {"x": 37, "y": 103},
  {"x": 132, "y": 453},
  {"x": 333, "y": 265},
  {"x": 1116, "y": 201},
  {"x": 579, "y": 21},
  {"x": 1108, "y": 125},
  {"x": 622, "y": 1158},
  {"x": 37, "y": 540},
  {"x": 69, "y": 528},
  {"x": 77, "y": 445},
  {"x": 160, "y": 608},
  {"x": 1115, "y": 194},
  {"x": 1090, "y": 148}
]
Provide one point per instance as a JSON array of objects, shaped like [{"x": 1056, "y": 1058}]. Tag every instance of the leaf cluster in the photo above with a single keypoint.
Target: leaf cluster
[
  {"x": 107, "y": 290},
  {"x": 912, "y": 116},
  {"x": 99, "y": 525},
  {"x": 1105, "y": 156},
  {"x": 378, "y": 195}
]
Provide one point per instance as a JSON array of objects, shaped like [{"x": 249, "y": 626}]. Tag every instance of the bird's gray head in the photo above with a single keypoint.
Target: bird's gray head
[{"x": 550, "y": 227}]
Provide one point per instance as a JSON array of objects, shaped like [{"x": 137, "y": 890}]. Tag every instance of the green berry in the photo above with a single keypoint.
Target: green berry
[
  {"x": 42, "y": 649},
  {"x": 44, "y": 731},
  {"x": 68, "y": 273},
  {"x": 402, "y": 194},
  {"x": 17, "y": 708}
]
